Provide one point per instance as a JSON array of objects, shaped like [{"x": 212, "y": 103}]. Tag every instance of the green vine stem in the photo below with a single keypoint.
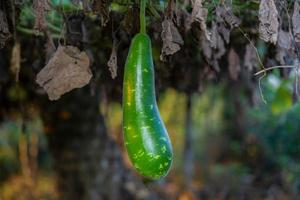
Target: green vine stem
[{"x": 142, "y": 16}]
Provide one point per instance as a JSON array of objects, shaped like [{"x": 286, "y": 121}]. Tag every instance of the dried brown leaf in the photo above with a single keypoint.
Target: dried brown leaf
[
  {"x": 199, "y": 14},
  {"x": 49, "y": 46},
  {"x": 296, "y": 21},
  {"x": 285, "y": 53},
  {"x": 226, "y": 21},
  {"x": 15, "y": 60},
  {"x": 225, "y": 32},
  {"x": 217, "y": 42},
  {"x": 213, "y": 50},
  {"x": 66, "y": 70},
  {"x": 113, "y": 62},
  {"x": 225, "y": 14},
  {"x": 40, "y": 9},
  {"x": 172, "y": 40},
  {"x": 101, "y": 7},
  {"x": 234, "y": 64},
  {"x": 285, "y": 40},
  {"x": 268, "y": 21},
  {"x": 250, "y": 58},
  {"x": 129, "y": 23},
  {"x": 4, "y": 30}
]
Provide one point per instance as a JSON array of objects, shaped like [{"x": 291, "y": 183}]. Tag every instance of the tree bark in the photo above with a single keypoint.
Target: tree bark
[{"x": 188, "y": 151}]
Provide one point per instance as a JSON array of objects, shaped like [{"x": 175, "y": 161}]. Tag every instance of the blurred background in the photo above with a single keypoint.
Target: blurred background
[{"x": 234, "y": 135}]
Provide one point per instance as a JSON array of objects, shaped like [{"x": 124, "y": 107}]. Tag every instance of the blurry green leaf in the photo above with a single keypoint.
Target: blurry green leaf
[{"x": 282, "y": 100}]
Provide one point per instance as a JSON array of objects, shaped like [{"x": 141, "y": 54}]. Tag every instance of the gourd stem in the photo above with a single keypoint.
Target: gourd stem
[{"x": 142, "y": 16}]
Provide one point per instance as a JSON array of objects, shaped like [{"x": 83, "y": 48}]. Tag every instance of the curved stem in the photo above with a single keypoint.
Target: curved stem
[{"x": 142, "y": 16}]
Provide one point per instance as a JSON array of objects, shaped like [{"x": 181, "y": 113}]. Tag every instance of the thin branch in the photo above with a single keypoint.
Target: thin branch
[{"x": 274, "y": 67}]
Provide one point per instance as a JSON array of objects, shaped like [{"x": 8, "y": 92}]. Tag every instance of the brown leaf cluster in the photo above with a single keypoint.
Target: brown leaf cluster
[
  {"x": 296, "y": 21},
  {"x": 199, "y": 14},
  {"x": 4, "y": 30},
  {"x": 214, "y": 49},
  {"x": 285, "y": 53},
  {"x": 40, "y": 9},
  {"x": 101, "y": 7},
  {"x": 226, "y": 21},
  {"x": 268, "y": 21},
  {"x": 172, "y": 40},
  {"x": 66, "y": 70},
  {"x": 233, "y": 64},
  {"x": 250, "y": 58}
]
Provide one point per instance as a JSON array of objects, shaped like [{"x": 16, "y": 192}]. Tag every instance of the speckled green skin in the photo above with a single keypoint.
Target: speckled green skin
[{"x": 146, "y": 138}]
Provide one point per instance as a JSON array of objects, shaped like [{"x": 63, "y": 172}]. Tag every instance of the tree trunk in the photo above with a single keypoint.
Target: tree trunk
[
  {"x": 188, "y": 151},
  {"x": 87, "y": 161}
]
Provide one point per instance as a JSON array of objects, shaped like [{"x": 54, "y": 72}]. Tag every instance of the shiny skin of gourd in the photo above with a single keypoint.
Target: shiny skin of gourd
[{"x": 146, "y": 138}]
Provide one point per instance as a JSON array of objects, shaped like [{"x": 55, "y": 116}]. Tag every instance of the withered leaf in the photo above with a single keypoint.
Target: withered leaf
[
  {"x": 226, "y": 21},
  {"x": 66, "y": 70},
  {"x": 129, "y": 23},
  {"x": 40, "y": 9},
  {"x": 49, "y": 46},
  {"x": 217, "y": 42},
  {"x": 207, "y": 48},
  {"x": 285, "y": 40},
  {"x": 296, "y": 20},
  {"x": 101, "y": 7},
  {"x": 285, "y": 53},
  {"x": 172, "y": 40},
  {"x": 213, "y": 50},
  {"x": 199, "y": 14},
  {"x": 113, "y": 62},
  {"x": 225, "y": 14},
  {"x": 250, "y": 58},
  {"x": 225, "y": 32},
  {"x": 234, "y": 64},
  {"x": 15, "y": 60},
  {"x": 268, "y": 21},
  {"x": 4, "y": 30}
]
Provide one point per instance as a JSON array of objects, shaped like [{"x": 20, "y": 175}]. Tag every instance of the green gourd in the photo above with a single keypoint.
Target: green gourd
[{"x": 146, "y": 138}]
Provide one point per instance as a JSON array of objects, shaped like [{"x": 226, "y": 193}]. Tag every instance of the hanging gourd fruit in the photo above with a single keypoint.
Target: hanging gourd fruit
[{"x": 146, "y": 138}]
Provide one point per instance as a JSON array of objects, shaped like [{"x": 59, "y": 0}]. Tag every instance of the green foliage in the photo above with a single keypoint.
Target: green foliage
[
  {"x": 277, "y": 125},
  {"x": 10, "y": 135}
]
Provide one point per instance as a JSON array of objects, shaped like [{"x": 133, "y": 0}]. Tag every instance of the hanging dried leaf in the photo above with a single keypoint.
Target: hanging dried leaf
[
  {"x": 4, "y": 30},
  {"x": 40, "y": 9},
  {"x": 67, "y": 69},
  {"x": 250, "y": 58},
  {"x": 129, "y": 23},
  {"x": 217, "y": 42},
  {"x": 268, "y": 21},
  {"x": 296, "y": 21},
  {"x": 285, "y": 49},
  {"x": 199, "y": 14},
  {"x": 225, "y": 14},
  {"x": 15, "y": 60},
  {"x": 285, "y": 40},
  {"x": 234, "y": 64},
  {"x": 101, "y": 7},
  {"x": 213, "y": 50},
  {"x": 49, "y": 46},
  {"x": 113, "y": 62},
  {"x": 226, "y": 21},
  {"x": 172, "y": 40}
]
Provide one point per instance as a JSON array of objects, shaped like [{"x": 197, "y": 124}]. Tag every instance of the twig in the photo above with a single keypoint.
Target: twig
[{"x": 274, "y": 67}]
